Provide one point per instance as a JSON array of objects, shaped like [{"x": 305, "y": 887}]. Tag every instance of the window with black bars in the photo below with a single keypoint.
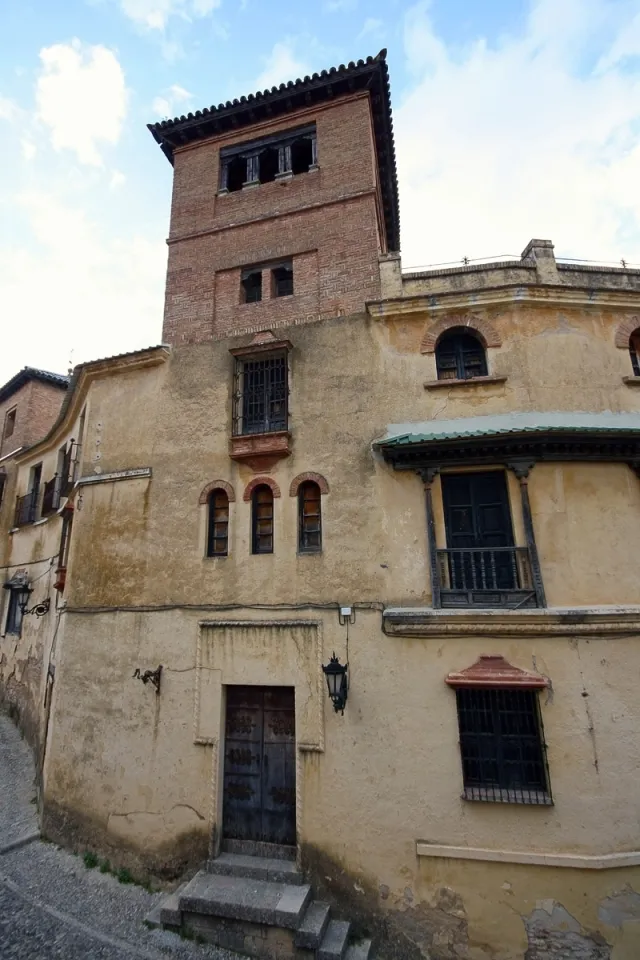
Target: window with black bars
[
  {"x": 260, "y": 395},
  {"x": 309, "y": 518},
  {"x": 634, "y": 352},
  {"x": 460, "y": 356},
  {"x": 218, "y": 526},
  {"x": 502, "y": 746},
  {"x": 14, "y": 614},
  {"x": 262, "y": 520}
]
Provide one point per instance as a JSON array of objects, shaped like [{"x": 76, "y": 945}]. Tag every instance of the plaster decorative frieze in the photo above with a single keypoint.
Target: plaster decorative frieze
[
  {"x": 115, "y": 475},
  {"x": 548, "y": 622},
  {"x": 577, "y": 861},
  {"x": 529, "y": 294}
]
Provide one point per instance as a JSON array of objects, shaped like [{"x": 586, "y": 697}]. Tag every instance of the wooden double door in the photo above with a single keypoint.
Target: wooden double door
[{"x": 259, "y": 793}]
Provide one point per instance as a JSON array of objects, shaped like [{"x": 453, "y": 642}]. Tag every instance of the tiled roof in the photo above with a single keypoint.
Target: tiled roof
[
  {"x": 32, "y": 373},
  {"x": 370, "y": 74},
  {"x": 405, "y": 434}
]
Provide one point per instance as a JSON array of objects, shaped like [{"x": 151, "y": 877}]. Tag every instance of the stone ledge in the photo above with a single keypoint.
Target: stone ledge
[
  {"x": 604, "y": 861},
  {"x": 471, "y": 382},
  {"x": 631, "y": 381},
  {"x": 552, "y": 621}
]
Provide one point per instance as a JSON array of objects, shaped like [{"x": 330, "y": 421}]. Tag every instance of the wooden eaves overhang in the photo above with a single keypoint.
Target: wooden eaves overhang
[
  {"x": 503, "y": 439},
  {"x": 370, "y": 75}
]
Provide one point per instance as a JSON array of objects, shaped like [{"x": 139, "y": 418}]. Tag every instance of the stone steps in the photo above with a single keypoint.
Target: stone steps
[{"x": 260, "y": 907}]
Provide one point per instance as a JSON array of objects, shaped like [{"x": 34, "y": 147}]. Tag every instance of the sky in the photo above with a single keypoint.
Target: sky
[{"x": 513, "y": 119}]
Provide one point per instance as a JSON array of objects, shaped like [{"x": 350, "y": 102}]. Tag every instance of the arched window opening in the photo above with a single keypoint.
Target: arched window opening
[
  {"x": 460, "y": 356},
  {"x": 301, "y": 155},
  {"x": 262, "y": 520},
  {"x": 236, "y": 173},
  {"x": 309, "y": 518},
  {"x": 218, "y": 527},
  {"x": 634, "y": 351}
]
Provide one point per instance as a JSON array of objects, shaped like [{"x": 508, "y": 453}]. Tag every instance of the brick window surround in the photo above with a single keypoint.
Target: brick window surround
[
  {"x": 483, "y": 329},
  {"x": 258, "y": 482},
  {"x": 216, "y": 485},
  {"x": 303, "y": 478}
]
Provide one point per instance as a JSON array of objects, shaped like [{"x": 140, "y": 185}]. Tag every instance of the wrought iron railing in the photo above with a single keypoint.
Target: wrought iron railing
[
  {"x": 471, "y": 576},
  {"x": 26, "y": 509},
  {"x": 51, "y": 495}
]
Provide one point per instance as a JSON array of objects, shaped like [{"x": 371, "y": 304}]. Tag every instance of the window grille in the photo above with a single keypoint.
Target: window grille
[
  {"x": 282, "y": 155},
  {"x": 309, "y": 518},
  {"x": 634, "y": 352},
  {"x": 502, "y": 746},
  {"x": 218, "y": 528},
  {"x": 14, "y": 614},
  {"x": 262, "y": 520},
  {"x": 460, "y": 356},
  {"x": 260, "y": 395}
]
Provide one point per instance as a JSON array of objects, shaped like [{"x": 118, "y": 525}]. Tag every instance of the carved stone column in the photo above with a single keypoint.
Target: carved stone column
[
  {"x": 427, "y": 476},
  {"x": 521, "y": 469}
]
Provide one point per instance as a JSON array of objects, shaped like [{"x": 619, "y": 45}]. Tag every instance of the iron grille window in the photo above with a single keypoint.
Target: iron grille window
[
  {"x": 262, "y": 520},
  {"x": 634, "y": 352},
  {"x": 14, "y": 614},
  {"x": 460, "y": 356},
  {"x": 282, "y": 283},
  {"x": 252, "y": 286},
  {"x": 260, "y": 395},
  {"x": 309, "y": 518},
  {"x": 502, "y": 746},
  {"x": 218, "y": 531}
]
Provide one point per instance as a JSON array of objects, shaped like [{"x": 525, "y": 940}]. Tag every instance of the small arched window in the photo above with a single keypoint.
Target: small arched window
[
  {"x": 634, "y": 351},
  {"x": 218, "y": 524},
  {"x": 309, "y": 518},
  {"x": 262, "y": 520},
  {"x": 460, "y": 356}
]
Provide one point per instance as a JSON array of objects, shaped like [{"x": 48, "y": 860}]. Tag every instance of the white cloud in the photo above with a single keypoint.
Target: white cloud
[
  {"x": 333, "y": 6},
  {"x": 77, "y": 285},
  {"x": 155, "y": 14},
  {"x": 28, "y": 148},
  {"x": 116, "y": 180},
  {"x": 167, "y": 105},
  {"x": 372, "y": 27},
  {"x": 529, "y": 138},
  {"x": 280, "y": 66},
  {"x": 82, "y": 98},
  {"x": 8, "y": 109}
]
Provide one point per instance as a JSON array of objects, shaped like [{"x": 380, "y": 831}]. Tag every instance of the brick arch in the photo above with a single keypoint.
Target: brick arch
[
  {"x": 258, "y": 482},
  {"x": 625, "y": 330},
  {"x": 297, "y": 482},
  {"x": 487, "y": 333},
  {"x": 217, "y": 485}
]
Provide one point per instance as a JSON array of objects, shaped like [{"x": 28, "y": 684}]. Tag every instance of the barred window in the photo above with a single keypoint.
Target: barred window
[
  {"x": 309, "y": 518},
  {"x": 13, "y": 623},
  {"x": 502, "y": 746},
  {"x": 260, "y": 395},
  {"x": 218, "y": 526},
  {"x": 262, "y": 520},
  {"x": 460, "y": 356},
  {"x": 634, "y": 351}
]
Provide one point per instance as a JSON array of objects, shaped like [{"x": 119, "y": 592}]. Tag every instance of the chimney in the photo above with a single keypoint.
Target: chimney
[{"x": 541, "y": 252}]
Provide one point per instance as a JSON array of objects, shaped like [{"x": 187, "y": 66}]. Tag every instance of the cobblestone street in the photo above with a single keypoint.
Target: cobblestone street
[{"x": 51, "y": 906}]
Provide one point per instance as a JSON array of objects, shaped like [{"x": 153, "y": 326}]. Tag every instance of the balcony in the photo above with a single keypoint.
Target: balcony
[
  {"x": 26, "y": 509},
  {"x": 51, "y": 496},
  {"x": 481, "y": 577}
]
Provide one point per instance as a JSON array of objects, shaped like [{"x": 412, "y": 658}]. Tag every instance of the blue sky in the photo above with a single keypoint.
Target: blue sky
[{"x": 513, "y": 119}]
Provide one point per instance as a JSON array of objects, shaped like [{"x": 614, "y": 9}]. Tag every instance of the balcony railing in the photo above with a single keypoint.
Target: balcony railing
[
  {"x": 51, "y": 496},
  {"x": 486, "y": 577},
  {"x": 26, "y": 509}
]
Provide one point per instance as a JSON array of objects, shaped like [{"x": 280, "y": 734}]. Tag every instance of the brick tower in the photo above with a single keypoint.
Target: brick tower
[{"x": 284, "y": 202}]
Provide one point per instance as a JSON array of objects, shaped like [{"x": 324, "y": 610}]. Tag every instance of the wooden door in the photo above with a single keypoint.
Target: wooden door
[
  {"x": 259, "y": 801},
  {"x": 477, "y": 521}
]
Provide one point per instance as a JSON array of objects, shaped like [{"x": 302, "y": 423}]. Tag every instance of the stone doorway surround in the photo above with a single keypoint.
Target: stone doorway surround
[{"x": 266, "y": 653}]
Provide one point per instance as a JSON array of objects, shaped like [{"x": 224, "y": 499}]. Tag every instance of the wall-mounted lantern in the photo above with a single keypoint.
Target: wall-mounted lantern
[
  {"x": 149, "y": 676},
  {"x": 337, "y": 682},
  {"x": 22, "y": 589}
]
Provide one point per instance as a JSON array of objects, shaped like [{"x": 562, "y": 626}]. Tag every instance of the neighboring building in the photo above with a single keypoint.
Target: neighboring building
[
  {"x": 432, "y": 475},
  {"x": 29, "y": 404}
]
